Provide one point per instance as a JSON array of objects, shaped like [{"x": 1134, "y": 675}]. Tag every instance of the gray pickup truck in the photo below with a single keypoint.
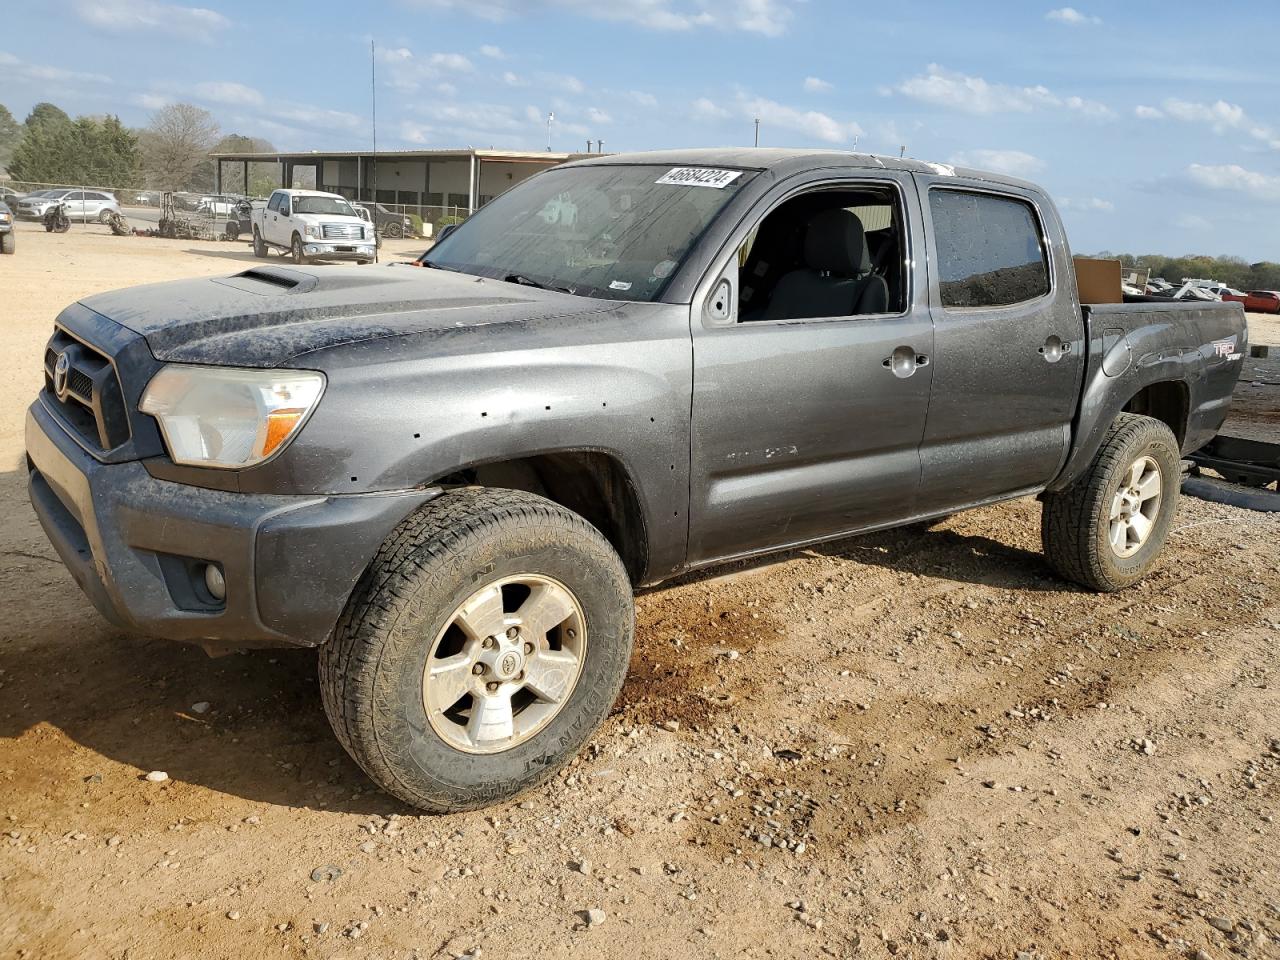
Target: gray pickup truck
[{"x": 450, "y": 479}]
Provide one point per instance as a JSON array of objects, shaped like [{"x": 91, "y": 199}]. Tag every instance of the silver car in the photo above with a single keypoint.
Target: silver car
[{"x": 82, "y": 205}]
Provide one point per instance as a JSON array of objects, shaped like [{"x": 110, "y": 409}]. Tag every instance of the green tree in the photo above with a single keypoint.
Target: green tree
[
  {"x": 10, "y": 136},
  {"x": 86, "y": 151},
  {"x": 45, "y": 113}
]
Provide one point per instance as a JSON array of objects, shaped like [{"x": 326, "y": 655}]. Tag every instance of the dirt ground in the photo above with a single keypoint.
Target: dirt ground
[{"x": 912, "y": 744}]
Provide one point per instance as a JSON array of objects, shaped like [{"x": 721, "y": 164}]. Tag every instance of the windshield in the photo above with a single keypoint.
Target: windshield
[
  {"x": 612, "y": 231},
  {"x": 333, "y": 206}
]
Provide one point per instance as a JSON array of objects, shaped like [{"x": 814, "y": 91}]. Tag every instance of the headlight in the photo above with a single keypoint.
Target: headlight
[
  {"x": 313, "y": 230},
  {"x": 226, "y": 417}
]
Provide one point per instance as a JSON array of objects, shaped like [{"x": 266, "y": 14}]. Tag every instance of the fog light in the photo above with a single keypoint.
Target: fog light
[{"x": 215, "y": 582}]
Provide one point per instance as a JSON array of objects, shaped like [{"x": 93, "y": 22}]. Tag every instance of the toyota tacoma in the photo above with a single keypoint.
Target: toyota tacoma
[{"x": 451, "y": 479}]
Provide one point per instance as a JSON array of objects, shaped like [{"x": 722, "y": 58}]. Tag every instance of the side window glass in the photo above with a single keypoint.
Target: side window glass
[
  {"x": 989, "y": 250},
  {"x": 274, "y": 202},
  {"x": 830, "y": 253}
]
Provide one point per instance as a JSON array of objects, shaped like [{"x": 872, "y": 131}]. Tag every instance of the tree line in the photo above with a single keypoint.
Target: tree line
[
  {"x": 170, "y": 153},
  {"x": 1233, "y": 271}
]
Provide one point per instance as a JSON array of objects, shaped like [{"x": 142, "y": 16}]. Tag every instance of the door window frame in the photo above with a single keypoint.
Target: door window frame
[
  {"x": 1001, "y": 193},
  {"x": 728, "y": 253}
]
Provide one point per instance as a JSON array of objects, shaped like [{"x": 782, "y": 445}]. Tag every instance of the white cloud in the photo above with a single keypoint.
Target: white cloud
[
  {"x": 1015, "y": 163},
  {"x": 130, "y": 16},
  {"x": 1235, "y": 178},
  {"x": 766, "y": 17},
  {"x": 562, "y": 81},
  {"x": 816, "y": 85},
  {"x": 596, "y": 115},
  {"x": 316, "y": 118},
  {"x": 808, "y": 123},
  {"x": 489, "y": 50},
  {"x": 514, "y": 79},
  {"x": 225, "y": 91},
  {"x": 642, "y": 99},
  {"x": 152, "y": 101},
  {"x": 1071, "y": 17},
  {"x": 408, "y": 72},
  {"x": 42, "y": 73},
  {"x": 706, "y": 109},
  {"x": 949, "y": 88},
  {"x": 1220, "y": 117},
  {"x": 1147, "y": 113},
  {"x": 1087, "y": 205}
]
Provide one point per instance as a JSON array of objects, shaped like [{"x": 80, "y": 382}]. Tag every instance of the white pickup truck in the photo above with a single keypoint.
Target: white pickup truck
[{"x": 309, "y": 225}]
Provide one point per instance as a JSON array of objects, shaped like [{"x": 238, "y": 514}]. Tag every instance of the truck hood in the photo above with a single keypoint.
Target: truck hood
[{"x": 267, "y": 316}]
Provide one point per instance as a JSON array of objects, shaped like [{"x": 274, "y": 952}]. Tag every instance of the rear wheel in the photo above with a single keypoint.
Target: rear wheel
[
  {"x": 394, "y": 230},
  {"x": 232, "y": 231},
  {"x": 1107, "y": 529},
  {"x": 104, "y": 215},
  {"x": 8, "y": 242},
  {"x": 487, "y": 640}
]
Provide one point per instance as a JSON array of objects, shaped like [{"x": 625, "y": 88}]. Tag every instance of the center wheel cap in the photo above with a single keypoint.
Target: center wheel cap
[{"x": 509, "y": 665}]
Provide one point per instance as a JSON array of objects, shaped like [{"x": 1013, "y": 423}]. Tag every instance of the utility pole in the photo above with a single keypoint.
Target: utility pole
[
  {"x": 757, "y": 131},
  {"x": 550, "y": 119},
  {"x": 373, "y": 99},
  {"x": 902, "y": 152}
]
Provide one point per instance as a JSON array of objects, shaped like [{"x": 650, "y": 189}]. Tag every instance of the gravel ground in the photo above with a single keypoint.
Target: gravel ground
[{"x": 911, "y": 744}]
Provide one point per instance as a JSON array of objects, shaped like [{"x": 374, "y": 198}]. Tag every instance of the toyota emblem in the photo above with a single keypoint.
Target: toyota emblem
[{"x": 60, "y": 370}]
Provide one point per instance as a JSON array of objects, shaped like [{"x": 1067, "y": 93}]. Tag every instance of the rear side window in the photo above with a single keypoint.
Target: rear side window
[{"x": 989, "y": 250}]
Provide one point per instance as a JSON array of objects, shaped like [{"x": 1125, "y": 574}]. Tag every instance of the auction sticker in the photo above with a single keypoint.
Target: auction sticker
[{"x": 699, "y": 177}]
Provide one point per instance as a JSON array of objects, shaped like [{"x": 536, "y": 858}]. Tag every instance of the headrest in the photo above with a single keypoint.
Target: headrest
[{"x": 835, "y": 243}]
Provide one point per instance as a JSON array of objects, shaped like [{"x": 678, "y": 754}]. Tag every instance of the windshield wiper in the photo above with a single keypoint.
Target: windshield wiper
[
  {"x": 438, "y": 266},
  {"x": 524, "y": 281}
]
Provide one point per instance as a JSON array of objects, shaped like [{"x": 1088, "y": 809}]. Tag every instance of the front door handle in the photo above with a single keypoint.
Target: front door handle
[{"x": 904, "y": 361}]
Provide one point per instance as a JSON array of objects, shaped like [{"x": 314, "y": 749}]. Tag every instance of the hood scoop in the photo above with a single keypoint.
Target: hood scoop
[{"x": 269, "y": 281}]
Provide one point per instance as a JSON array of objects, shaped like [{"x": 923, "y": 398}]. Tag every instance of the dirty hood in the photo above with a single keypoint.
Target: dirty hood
[{"x": 269, "y": 315}]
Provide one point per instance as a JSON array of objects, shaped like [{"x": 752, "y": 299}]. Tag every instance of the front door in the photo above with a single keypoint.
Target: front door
[
  {"x": 1009, "y": 343},
  {"x": 809, "y": 426}
]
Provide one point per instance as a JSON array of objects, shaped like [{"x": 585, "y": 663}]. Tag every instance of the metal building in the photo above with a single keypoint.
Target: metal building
[{"x": 461, "y": 179}]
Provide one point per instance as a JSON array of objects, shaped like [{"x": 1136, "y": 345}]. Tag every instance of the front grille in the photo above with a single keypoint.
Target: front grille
[
  {"x": 89, "y": 399},
  {"x": 343, "y": 231}
]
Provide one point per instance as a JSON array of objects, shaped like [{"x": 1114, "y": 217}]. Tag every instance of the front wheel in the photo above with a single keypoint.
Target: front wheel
[
  {"x": 8, "y": 242},
  {"x": 486, "y": 641},
  {"x": 259, "y": 247},
  {"x": 104, "y": 215},
  {"x": 1107, "y": 529},
  {"x": 295, "y": 248}
]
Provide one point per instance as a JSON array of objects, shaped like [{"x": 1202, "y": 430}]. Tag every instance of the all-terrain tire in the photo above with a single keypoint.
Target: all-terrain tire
[
  {"x": 1075, "y": 522},
  {"x": 259, "y": 246},
  {"x": 371, "y": 670},
  {"x": 8, "y": 243}
]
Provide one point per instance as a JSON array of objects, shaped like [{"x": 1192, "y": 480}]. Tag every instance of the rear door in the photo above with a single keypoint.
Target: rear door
[
  {"x": 804, "y": 429},
  {"x": 1009, "y": 342}
]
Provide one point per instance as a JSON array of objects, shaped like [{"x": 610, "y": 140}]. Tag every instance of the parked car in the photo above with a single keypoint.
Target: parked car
[
  {"x": 9, "y": 196},
  {"x": 390, "y": 223},
  {"x": 1257, "y": 301},
  {"x": 309, "y": 225},
  {"x": 450, "y": 479},
  {"x": 81, "y": 205},
  {"x": 220, "y": 206},
  {"x": 8, "y": 239}
]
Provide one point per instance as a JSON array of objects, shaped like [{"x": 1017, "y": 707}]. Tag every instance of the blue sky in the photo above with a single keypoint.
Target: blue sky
[{"x": 1152, "y": 124}]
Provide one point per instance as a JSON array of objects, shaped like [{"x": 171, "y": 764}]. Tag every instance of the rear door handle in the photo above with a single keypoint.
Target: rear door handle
[
  {"x": 904, "y": 361},
  {"x": 1055, "y": 348}
]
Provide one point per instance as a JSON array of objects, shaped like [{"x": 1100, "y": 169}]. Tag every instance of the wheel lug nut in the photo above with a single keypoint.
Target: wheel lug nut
[
  {"x": 513, "y": 632},
  {"x": 491, "y": 687},
  {"x": 571, "y": 633},
  {"x": 478, "y": 669},
  {"x": 488, "y": 643},
  {"x": 520, "y": 677},
  {"x": 528, "y": 647}
]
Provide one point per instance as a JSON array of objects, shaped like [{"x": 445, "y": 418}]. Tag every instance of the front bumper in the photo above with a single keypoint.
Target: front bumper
[
  {"x": 329, "y": 250},
  {"x": 137, "y": 545}
]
